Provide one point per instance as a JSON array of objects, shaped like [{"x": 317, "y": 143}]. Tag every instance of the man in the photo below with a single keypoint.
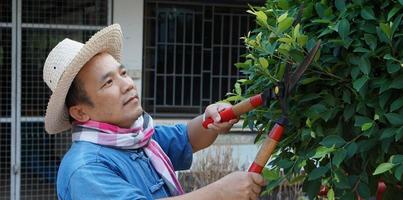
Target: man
[{"x": 117, "y": 153}]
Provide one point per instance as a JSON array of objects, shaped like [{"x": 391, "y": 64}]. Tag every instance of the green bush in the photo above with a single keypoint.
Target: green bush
[{"x": 346, "y": 114}]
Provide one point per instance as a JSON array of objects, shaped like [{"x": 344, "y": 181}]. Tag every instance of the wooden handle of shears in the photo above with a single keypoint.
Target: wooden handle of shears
[
  {"x": 238, "y": 109},
  {"x": 267, "y": 148}
]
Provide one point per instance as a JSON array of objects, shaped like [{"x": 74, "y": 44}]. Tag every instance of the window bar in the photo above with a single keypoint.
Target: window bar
[
  {"x": 165, "y": 95},
  {"x": 202, "y": 61},
  {"x": 192, "y": 75},
  {"x": 221, "y": 58},
  {"x": 212, "y": 51},
  {"x": 174, "y": 62},
  {"x": 183, "y": 59},
  {"x": 154, "y": 99},
  {"x": 230, "y": 54}
]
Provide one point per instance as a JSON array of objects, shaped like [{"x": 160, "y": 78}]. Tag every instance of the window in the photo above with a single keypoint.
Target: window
[{"x": 189, "y": 55}]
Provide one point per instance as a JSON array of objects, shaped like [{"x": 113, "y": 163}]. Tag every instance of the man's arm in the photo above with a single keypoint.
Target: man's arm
[
  {"x": 200, "y": 137},
  {"x": 235, "y": 186}
]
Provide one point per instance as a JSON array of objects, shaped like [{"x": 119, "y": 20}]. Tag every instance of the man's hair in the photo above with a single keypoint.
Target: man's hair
[{"x": 77, "y": 95}]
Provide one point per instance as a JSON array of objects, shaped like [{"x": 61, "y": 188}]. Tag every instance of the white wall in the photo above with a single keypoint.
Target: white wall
[{"x": 129, "y": 14}]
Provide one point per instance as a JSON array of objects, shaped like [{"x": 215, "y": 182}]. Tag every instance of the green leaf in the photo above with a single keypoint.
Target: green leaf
[
  {"x": 333, "y": 140},
  {"x": 318, "y": 172},
  {"x": 238, "y": 89},
  {"x": 394, "y": 119},
  {"x": 285, "y": 24},
  {"x": 271, "y": 174},
  {"x": 396, "y": 104},
  {"x": 311, "y": 188},
  {"x": 367, "y": 13},
  {"x": 396, "y": 159},
  {"x": 382, "y": 168},
  {"x": 401, "y": 2},
  {"x": 397, "y": 82},
  {"x": 284, "y": 163},
  {"x": 261, "y": 18},
  {"x": 399, "y": 172},
  {"x": 393, "y": 12},
  {"x": 387, "y": 133},
  {"x": 302, "y": 40},
  {"x": 322, "y": 151},
  {"x": 344, "y": 28},
  {"x": 349, "y": 111},
  {"x": 366, "y": 126},
  {"x": 282, "y": 17},
  {"x": 363, "y": 190},
  {"x": 283, "y": 4},
  {"x": 392, "y": 67},
  {"x": 295, "y": 32},
  {"x": 371, "y": 41},
  {"x": 263, "y": 62},
  {"x": 399, "y": 134},
  {"x": 340, "y": 5},
  {"x": 386, "y": 29},
  {"x": 320, "y": 9},
  {"x": 234, "y": 98},
  {"x": 360, "y": 120},
  {"x": 396, "y": 23},
  {"x": 388, "y": 57},
  {"x": 309, "y": 80},
  {"x": 338, "y": 157},
  {"x": 351, "y": 149},
  {"x": 346, "y": 96},
  {"x": 357, "y": 84},
  {"x": 330, "y": 194},
  {"x": 365, "y": 65},
  {"x": 341, "y": 180}
]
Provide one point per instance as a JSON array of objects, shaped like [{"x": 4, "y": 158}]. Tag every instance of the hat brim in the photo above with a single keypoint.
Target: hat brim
[{"x": 108, "y": 40}]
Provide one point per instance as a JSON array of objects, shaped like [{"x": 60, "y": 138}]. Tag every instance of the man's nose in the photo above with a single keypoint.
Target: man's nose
[{"x": 127, "y": 84}]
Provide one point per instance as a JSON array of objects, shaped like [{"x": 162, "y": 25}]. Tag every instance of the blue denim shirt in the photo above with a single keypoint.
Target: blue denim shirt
[{"x": 91, "y": 171}]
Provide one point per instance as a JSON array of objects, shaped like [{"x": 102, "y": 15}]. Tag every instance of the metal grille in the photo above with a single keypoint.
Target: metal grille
[
  {"x": 5, "y": 72},
  {"x": 44, "y": 25},
  {"x": 40, "y": 157},
  {"x": 83, "y": 12},
  {"x": 36, "y": 44},
  {"x": 5, "y": 98},
  {"x": 40, "y": 153},
  {"x": 5, "y": 140},
  {"x": 189, "y": 55},
  {"x": 25, "y": 40}
]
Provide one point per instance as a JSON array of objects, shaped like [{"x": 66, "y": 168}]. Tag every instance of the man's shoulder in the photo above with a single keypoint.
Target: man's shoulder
[
  {"x": 83, "y": 153},
  {"x": 170, "y": 128}
]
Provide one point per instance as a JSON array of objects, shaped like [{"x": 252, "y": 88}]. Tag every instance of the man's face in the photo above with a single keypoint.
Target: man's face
[{"x": 112, "y": 92}]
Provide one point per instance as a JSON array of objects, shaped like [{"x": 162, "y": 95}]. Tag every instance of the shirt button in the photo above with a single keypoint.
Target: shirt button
[{"x": 134, "y": 156}]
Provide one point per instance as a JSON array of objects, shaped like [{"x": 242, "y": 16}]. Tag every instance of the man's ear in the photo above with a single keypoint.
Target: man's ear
[{"x": 77, "y": 112}]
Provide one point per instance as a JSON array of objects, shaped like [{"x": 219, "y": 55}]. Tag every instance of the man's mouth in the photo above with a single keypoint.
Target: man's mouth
[{"x": 132, "y": 98}]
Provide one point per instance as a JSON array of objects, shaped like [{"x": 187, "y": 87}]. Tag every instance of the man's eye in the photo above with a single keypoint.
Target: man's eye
[
  {"x": 124, "y": 73},
  {"x": 108, "y": 82}
]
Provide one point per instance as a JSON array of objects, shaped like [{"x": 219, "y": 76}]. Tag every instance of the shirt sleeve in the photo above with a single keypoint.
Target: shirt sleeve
[
  {"x": 97, "y": 181},
  {"x": 174, "y": 141}
]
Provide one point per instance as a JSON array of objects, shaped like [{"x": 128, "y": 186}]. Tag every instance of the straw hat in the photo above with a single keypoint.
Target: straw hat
[{"x": 63, "y": 64}]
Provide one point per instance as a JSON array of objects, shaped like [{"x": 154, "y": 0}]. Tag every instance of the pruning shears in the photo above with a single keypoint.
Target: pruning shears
[{"x": 280, "y": 91}]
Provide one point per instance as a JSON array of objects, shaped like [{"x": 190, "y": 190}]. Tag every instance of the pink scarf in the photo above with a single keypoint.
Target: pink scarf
[{"x": 138, "y": 136}]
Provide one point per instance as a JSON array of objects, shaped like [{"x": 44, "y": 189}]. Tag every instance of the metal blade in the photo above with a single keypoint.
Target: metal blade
[{"x": 303, "y": 66}]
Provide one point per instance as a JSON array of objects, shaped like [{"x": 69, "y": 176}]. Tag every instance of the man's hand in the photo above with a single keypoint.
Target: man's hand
[
  {"x": 213, "y": 111},
  {"x": 234, "y": 186},
  {"x": 240, "y": 186}
]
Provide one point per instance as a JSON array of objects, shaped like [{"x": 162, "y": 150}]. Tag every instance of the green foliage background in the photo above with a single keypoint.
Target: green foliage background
[{"x": 346, "y": 114}]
